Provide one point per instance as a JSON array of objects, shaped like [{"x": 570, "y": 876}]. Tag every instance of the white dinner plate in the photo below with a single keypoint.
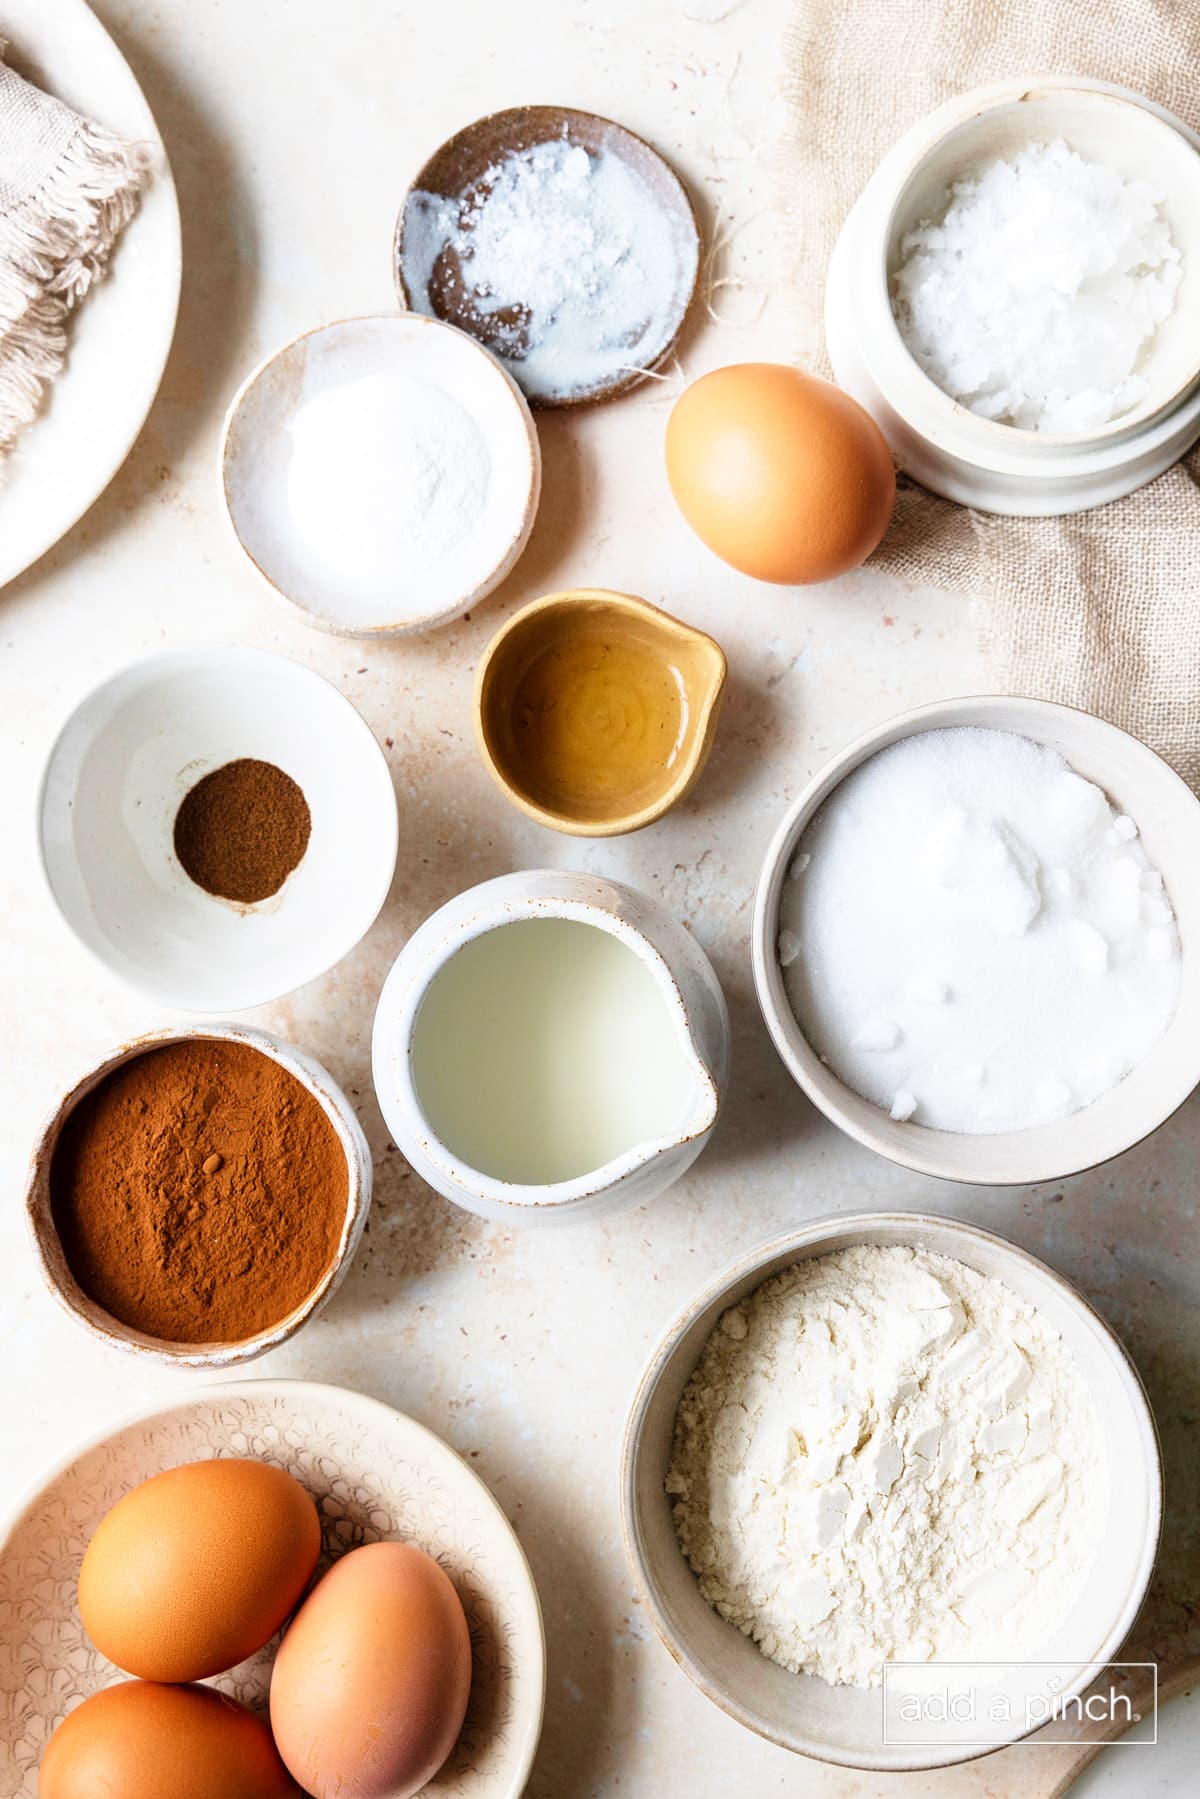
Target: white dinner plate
[
  {"x": 121, "y": 332},
  {"x": 374, "y": 1474}
]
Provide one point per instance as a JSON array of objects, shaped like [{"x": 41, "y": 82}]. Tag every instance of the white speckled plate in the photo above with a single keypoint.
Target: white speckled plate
[
  {"x": 121, "y": 333},
  {"x": 374, "y": 1474}
]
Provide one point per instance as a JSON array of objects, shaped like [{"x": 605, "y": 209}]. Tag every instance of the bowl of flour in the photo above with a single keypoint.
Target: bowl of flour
[
  {"x": 973, "y": 940},
  {"x": 891, "y": 1470}
]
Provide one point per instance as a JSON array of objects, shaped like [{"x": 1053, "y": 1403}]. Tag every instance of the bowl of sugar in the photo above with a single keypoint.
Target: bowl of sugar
[
  {"x": 974, "y": 940},
  {"x": 381, "y": 474},
  {"x": 780, "y": 1453},
  {"x": 1015, "y": 296}
]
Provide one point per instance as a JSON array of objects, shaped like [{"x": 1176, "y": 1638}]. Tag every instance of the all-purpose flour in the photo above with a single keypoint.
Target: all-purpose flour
[
  {"x": 973, "y": 937},
  {"x": 883, "y": 1454}
]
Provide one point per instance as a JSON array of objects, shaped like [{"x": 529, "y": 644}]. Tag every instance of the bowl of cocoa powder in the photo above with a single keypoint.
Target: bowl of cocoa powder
[{"x": 197, "y": 1196}]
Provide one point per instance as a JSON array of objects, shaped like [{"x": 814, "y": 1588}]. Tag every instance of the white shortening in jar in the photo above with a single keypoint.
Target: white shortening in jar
[
  {"x": 989, "y": 462},
  {"x": 1034, "y": 294}
]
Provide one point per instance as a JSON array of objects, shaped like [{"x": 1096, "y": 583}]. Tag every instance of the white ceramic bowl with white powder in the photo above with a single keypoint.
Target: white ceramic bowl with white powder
[
  {"x": 843, "y": 1723},
  {"x": 980, "y": 461},
  {"x": 382, "y": 474},
  {"x": 1139, "y": 786}
]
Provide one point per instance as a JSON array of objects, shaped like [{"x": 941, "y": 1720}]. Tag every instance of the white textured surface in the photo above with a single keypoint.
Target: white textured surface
[{"x": 292, "y": 133}]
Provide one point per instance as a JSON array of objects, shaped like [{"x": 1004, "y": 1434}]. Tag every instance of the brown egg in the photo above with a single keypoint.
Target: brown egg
[
  {"x": 140, "y": 1741},
  {"x": 781, "y": 474},
  {"x": 370, "y": 1684},
  {"x": 195, "y": 1569}
]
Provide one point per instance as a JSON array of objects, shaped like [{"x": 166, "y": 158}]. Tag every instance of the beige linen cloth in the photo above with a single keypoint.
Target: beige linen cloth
[
  {"x": 67, "y": 190},
  {"x": 1101, "y": 610}
]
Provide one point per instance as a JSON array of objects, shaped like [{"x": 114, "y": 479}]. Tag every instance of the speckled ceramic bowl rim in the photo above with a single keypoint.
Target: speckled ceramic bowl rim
[
  {"x": 506, "y": 562},
  {"x": 816, "y": 1237},
  {"x": 399, "y": 1032},
  {"x": 707, "y": 711},
  {"x": 100, "y": 1324},
  {"x": 216, "y": 1391},
  {"x": 620, "y": 384},
  {"x": 926, "y": 1150}
]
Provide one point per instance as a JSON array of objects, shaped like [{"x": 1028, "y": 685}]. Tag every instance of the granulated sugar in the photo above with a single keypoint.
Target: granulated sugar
[
  {"x": 973, "y": 938},
  {"x": 883, "y": 1454},
  {"x": 1033, "y": 298},
  {"x": 570, "y": 269}
]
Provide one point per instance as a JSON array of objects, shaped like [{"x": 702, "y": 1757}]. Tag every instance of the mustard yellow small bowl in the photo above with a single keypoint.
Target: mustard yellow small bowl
[{"x": 595, "y": 712}]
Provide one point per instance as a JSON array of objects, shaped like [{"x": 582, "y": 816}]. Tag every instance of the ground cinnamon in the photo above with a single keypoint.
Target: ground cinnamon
[
  {"x": 199, "y": 1192},
  {"x": 241, "y": 830}
]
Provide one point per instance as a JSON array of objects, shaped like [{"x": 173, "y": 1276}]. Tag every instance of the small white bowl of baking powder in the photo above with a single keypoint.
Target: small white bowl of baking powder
[
  {"x": 1061, "y": 160},
  {"x": 956, "y": 1121},
  {"x": 1067, "y": 1424},
  {"x": 382, "y": 474}
]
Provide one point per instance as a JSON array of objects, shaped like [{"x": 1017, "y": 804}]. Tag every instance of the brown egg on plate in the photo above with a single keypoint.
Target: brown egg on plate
[
  {"x": 139, "y": 1740},
  {"x": 781, "y": 474},
  {"x": 370, "y": 1684},
  {"x": 197, "y": 1568}
]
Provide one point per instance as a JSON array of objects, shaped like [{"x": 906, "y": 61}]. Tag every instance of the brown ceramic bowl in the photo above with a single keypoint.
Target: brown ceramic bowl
[
  {"x": 457, "y": 169},
  {"x": 47, "y": 1245}
]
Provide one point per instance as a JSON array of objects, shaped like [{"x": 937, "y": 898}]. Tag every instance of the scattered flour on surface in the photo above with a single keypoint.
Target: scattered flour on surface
[
  {"x": 1033, "y": 297},
  {"x": 975, "y": 939},
  {"x": 570, "y": 270},
  {"x": 883, "y": 1454}
]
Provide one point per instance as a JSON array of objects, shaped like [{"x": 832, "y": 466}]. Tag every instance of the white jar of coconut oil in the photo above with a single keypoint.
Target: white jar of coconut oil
[{"x": 937, "y": 437}]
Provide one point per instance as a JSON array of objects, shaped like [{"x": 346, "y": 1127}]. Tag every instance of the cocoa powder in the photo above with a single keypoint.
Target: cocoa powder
[{"x": 199, "y": 1192}]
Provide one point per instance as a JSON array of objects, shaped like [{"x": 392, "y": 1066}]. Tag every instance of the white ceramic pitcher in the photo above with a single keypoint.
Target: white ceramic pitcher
[{"x": 691, "y": 996}]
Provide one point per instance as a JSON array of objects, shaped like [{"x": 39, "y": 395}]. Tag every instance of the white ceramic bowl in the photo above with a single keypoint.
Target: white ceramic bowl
[
  {"x": 112, "y": 787},
  {"x": 691, "y": 994},
  {"x": 375, "y": 1475},
  {"x": 1168, "y": 817},
  {"x": 47, "y": 1246},
  {"x": 994, "y": 467},
  {"x": 330, "y": 591},
  {"x": 800, "y": 1712}
]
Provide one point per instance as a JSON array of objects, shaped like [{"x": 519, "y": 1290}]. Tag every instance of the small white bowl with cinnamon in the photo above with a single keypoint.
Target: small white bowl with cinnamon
[{"x": 307, "y": 811}]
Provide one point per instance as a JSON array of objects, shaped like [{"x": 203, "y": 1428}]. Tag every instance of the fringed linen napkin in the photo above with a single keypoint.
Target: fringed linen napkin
[
  {"x": 67, "y": 190},
  {"x": 1101, "y": 610}
]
